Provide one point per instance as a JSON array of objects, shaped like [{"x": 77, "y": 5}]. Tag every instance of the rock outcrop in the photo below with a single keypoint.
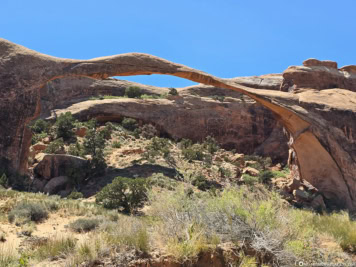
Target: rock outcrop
[
  {"x": 321, "y": 123},
  {"x": 236, "y": 123},
  {"x": 53, "y": 165}
]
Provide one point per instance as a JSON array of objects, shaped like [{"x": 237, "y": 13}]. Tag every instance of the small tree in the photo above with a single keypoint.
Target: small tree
[
  {"x": 94, "y": 144},
  {"x": 64, "y": 126},
  {"x": 3, "y": 180},
  {"x": 173, "y": 91},
  {"x": 133, "y": 92},
  {"x": 124, "y": 194},
  {"x": 129, "y": 124},
  {"x": 40, "y": 126}
]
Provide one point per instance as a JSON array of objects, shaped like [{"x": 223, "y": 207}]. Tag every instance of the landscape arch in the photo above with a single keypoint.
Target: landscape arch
[{"x": 325, "y": 156}]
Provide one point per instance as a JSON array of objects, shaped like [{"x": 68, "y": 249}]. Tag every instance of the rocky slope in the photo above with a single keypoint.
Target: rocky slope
[{"x": 320, "y": 122}]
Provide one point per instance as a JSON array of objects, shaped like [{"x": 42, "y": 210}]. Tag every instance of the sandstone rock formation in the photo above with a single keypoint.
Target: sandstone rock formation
[
  {"x": 321, "y": 123},
  {"x": 236, "y": 123}
]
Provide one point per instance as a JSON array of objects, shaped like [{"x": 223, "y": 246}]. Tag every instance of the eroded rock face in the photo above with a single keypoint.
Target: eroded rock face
[
  {"x": 325, "y": 152},
  {"x": 238, "y": 122},
  {"x": 318, "y": 75}
]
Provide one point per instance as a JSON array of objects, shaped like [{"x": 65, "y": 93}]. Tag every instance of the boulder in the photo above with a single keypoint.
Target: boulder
[
  {"x": 53, "y": 165},
  {"x": 56, "y": 184},
  {"x": 318, "y": 203},
  {"x": 301, "y": 195},
  {"x": 250, "y": 171},
  {"x": 81, "y": 132},
  {"x": 39, "y": 147},
  {"x": 312, "y": 62},
  {"x": 38, "y": 184}
]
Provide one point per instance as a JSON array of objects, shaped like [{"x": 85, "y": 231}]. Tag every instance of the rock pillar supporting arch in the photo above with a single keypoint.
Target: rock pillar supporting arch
[{"x": 23, "y": 72}]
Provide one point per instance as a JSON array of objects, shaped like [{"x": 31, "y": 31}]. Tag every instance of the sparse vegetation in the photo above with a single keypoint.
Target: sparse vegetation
[
  {"x": 25, "y": 212},
  {"x": 84, "y": 224}
]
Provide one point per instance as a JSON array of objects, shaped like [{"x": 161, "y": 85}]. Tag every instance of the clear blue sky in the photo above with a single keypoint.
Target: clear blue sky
[{"x": 227, "y": 38}]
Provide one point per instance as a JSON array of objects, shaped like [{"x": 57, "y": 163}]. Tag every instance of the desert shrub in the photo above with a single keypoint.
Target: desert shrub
[
  {"x": 25, "y": 212},
  {"x": 8, "y": 256},
  {"x": 173, "y": 91},
  {"x": 185, "y": 143},
  {"x": 129, "y": 124},
  {"x": 128, "y": 232},
  {"x": 77, "y": 175},
  {"x": 194, "y": 152},
  {"x": 225, "y": 172},
  {"x": 133, "y": 92},
  {"x": 64, "y": 125},
  {"x": 76, "y": 150},
  {"x": 148, "y": 131},
  {"x": 53, "y": 248},
  {"x": 116, "y": 144},
  {"x": 261, "y": 163},
  {"x": 37, "y": 137},
  {"x": 265, "y": 176},
  {"x": 160, "y": 180},
  {"x": 210, "y": 144},
  {"x": 84, "y": 224},
  {"x": 249, "y": 180},
  {"x": 94, "y": 144},
  {"x": 124, "y": 194},
  {"x": 75, "y": 195},
  {"x": 55, "y": 147},
  {"x": 40, "y": 126},
  {"x": 158, "y": 147},
  {"x": 201, "y": 182},
  {"x": 220, "y": 98},
  {"x": 4, "y": 182},
  {"x": 340, "y": 226}
]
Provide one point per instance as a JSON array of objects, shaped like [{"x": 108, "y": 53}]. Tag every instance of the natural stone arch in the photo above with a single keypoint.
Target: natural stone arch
[{"x": 323, "y": 157}]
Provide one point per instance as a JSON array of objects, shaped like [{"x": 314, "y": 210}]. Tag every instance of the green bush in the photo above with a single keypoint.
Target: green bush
[
  {"x": 75, "y": 195},
  {"x": 4, "y": 182},
  {"x": 40, "y": 126},
  {"x": 149, "y": 131},
  {"x": 37, "y": 137},
  {"x": 84, "y": 224},
  {"x": 211, "y": 145},
  {"x": 133, "y": 92},
  {"x": 195, "y": 152},
  {"x": 116, "y": 144},
  {"x": 25, "y": 212},
  {"x": 201, "y": 182},
  {"x": 55, "y": 147},
  {"x": 265, "y": 176},
  {"x": 64, "y": 125},
  {"x": 76, "y": 150},
  {"x": 94, "y": 144},
  {"x": 124, "y": 194},
  {"x": 220, "y": 98},
  {"x": 173, "y": 91},
  {"x": 185, "y": 143},
  {"x": 250, "y": 180},
  {"x": 129, "y": 124},
  {"x": 157, "y": 147}
]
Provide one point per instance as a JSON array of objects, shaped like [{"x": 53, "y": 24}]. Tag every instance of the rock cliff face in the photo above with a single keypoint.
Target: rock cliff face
[
  {"x": 236, "y": 123},
  {"x": 320, "y": 122}
]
